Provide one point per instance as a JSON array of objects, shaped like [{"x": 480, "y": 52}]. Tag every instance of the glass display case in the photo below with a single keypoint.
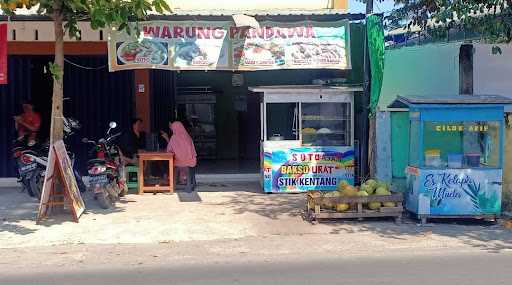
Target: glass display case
[
  {"x": 455, "y": 155},
  {"x": 307, "y": 137},
  {"x": 326, "y": 124}
]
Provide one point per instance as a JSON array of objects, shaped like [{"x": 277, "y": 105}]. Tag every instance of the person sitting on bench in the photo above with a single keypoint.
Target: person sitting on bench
[
  {"x": 181, "y": 145},
  {"x": 132, "y": 141}
]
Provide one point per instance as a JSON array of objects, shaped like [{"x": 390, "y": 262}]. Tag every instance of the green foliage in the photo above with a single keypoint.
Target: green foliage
[
  {"x": 491, "y": 19},
  {"x": 375, "y": 34},
  {"x": 55, "y": 70},
  {"x": 101, "y": 13}
]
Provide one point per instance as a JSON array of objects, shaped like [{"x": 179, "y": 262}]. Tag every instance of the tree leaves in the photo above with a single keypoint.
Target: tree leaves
[
  {"x": 101, "y": 13},
  {"x": 55, "y": 70},
  {"x": 492, "y": 19}
]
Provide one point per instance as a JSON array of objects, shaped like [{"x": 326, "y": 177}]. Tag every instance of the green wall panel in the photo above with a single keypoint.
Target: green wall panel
[{"x": 399, "y": 143}]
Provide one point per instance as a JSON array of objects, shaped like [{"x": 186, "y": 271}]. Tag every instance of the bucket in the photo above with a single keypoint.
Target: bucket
[
  {"x": 455, "y": 160},
  {"x": 433, "y": 158},
  {"x": 472, "y": 159}
]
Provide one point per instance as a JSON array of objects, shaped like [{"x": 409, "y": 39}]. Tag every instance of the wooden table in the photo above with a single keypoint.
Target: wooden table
[{"x": 156, "y": 156}]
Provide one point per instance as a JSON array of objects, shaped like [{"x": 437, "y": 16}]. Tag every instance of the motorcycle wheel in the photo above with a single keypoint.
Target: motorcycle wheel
[
  {"x": 36, "y": 184},
  {"x": 26, "y": 187},
  {"x": 104, "y": 200},
  {"x": 80, "y": 182}
]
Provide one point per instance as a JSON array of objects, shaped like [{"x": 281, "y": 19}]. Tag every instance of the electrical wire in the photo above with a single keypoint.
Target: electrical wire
[{"x": 84, "y": 67}]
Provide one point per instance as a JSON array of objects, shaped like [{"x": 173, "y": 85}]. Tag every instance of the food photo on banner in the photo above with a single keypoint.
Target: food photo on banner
[{"x": 218, "y": 45}]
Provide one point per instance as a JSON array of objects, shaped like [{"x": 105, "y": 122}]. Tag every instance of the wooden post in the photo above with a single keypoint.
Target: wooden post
[{"x": 142, "y": 97}]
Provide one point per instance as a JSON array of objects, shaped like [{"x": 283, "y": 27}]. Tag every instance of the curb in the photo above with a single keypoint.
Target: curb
[{"x": 9, "y": 182}]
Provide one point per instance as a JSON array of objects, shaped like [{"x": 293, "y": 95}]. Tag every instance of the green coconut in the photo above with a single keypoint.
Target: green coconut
[
  {"x": 382, "y": 191},
  {"x": 342, "y": 207},
  {"x": 367, "y": 188},
  {"x": 374, "y": 205},
  {"x": 371, "y": 182}
]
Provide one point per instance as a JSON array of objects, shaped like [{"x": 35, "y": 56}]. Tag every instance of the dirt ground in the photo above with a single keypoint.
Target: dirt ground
[{"x": 226, "y": 212}]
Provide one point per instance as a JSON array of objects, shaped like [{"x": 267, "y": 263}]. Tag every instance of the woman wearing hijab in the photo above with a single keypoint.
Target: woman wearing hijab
[{"x": 180, "y": 143}]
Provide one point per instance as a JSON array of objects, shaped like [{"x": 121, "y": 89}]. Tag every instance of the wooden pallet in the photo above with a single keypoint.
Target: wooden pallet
[{"x": 357, "y": 211}]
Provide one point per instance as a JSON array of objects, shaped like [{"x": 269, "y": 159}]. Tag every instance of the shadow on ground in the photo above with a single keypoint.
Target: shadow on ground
[
  {"x": 491, "y": 237},
  {"x": 17, "y": 206},
  {"x": 248, "y": 198}
]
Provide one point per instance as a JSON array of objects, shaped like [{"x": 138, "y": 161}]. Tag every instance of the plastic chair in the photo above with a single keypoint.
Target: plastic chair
[{"x": 132, "y": 176}]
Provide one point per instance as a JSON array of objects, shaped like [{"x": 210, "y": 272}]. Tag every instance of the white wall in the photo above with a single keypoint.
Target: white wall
[
  {"x": 420, "y": 70},
  {"x": 492, "y": 73},
  {"x": 26, "y": 32}
]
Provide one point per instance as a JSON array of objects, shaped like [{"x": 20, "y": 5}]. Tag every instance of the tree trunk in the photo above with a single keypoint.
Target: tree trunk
[{"x": 57, "y": 123}]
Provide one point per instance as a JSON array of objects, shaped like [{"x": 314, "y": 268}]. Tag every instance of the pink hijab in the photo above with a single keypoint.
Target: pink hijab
[{"x": 182, "y": 146}]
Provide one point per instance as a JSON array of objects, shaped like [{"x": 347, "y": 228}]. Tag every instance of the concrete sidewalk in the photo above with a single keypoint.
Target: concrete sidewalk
[{"x": 224, "y": 212}]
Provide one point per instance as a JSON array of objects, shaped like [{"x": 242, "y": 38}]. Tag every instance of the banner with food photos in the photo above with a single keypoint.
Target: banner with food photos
[{"x": 219, "y": 45}]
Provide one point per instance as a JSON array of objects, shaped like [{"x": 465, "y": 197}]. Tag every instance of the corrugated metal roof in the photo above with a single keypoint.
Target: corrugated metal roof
[
  {"x": 294, "y": 89},
  {"x": 405, "y": 102},
  {"x": 180, "y": 14},
  {"x": 273, "y": 12}
]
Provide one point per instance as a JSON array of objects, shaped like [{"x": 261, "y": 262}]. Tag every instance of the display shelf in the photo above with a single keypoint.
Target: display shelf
[
  {"x": 318, "y": 118},
  {"x": 331, "y": 133}
]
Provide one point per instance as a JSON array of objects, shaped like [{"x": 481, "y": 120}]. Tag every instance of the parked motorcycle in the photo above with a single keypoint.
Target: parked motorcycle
[
  {"x": 105, "y": 168},
  {"x": 32, "y": 162},
  {"x": 26, "y": 165}
]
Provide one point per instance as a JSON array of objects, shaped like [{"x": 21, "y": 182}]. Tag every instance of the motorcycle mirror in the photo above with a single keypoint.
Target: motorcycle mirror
[{"x": 112, "y": 125}]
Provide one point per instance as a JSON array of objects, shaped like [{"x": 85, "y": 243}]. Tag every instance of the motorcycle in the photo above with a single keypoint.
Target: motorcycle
[
  {"x": 32, "y": 162},
  {"x": 26, "y": 164},
  {"x": 106, "y": 173}
]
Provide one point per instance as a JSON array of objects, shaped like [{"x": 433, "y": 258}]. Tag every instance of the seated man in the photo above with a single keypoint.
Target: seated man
[
  {"x": 28, "y": 123},
  {"x": 132, "y": 141}
]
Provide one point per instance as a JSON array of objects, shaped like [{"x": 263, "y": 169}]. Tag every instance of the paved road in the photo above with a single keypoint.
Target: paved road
[{"x": 454, "y": 268}]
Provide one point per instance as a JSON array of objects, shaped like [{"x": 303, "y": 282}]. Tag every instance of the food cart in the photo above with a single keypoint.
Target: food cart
[
  {"x": 455, "y": 155},
  {"x": 307, "y": 137}
]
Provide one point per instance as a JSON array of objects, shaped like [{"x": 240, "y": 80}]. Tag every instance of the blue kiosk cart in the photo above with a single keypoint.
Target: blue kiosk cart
[{"x": 455, "y": 155}]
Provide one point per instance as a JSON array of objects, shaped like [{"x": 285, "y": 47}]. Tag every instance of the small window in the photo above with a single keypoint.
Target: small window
[{"x": 461, "y": 144}]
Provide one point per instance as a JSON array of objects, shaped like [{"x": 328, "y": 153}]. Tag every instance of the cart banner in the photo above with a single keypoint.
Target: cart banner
[
  {"x": 3, "y": 53},
  {"x": 455, "y": 192},
  {"x": 219, "y": 45},
  {"x": 308, "y": 168}
]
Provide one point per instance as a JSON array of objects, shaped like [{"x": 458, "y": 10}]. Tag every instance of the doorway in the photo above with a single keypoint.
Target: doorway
[{"x": 223, "y": 120}]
